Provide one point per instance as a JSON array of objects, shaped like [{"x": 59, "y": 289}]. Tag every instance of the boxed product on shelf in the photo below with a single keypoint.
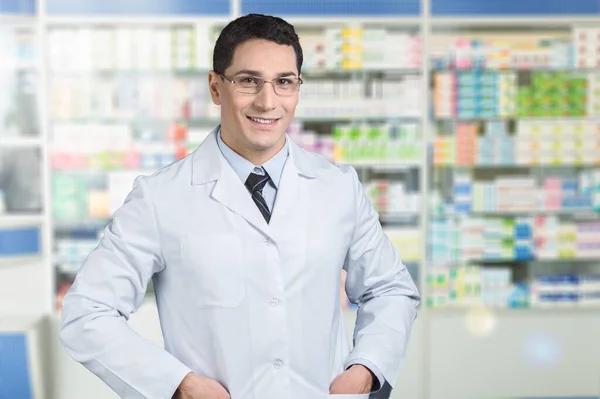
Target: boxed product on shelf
[
  {"x": 587, "y": 47},
  {"x": 470, "y": 286},
  {"x": 594, "y": 94},
  {"x": 121, "y": 48},
  {"x": 17, "y": 47},
  {"x": 407, "y": 242},
  {"x": 107, "y": 147},
  {"x": 377, "y": 143},
  {"x": 356, "y": 47},
  {"x": 474, "y": 94},
  {"x": 443, "y": 241},
  {"x": 392, "y": 197},
  {"x": 505, "y": 53},
  {"x": 565, "y": 290}
]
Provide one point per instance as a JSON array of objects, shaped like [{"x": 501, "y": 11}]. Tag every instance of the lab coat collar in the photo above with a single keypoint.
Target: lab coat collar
[
  {"x": 208, "y": 161},
  {"x": 210, "y": 165}
]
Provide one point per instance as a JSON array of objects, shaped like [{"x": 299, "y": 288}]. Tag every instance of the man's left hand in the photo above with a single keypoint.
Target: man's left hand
[{"x": 356, "y": 380}]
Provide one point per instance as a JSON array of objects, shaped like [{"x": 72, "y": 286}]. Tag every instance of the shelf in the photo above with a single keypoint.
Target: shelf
[
  {"x": 573, "y": 68},
  {"x": 584, "y": 118},
  {"x": 129, "y": 20},
  {"x": 16, "y": 142},
  {"x": 105, "y": 73},
  {"x": 565, "y": 21},
  {"x": 328, "y": 21},
  {"x": 517, "y": 166},
  {"x": 135, "y": 120},
  {"x": 404, "y": 218},
  {"x": 534, "y": 260},
  {"x": 19, "y": 220},
  {"x": 466, "y": 311},
  {"x": 334, "y": 118},
  {"x": 382, "y": 165},
  {"x": 585, "y": 213}
]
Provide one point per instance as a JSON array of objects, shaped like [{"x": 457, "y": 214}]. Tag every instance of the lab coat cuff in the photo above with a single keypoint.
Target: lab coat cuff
[
  {"x": 174, "y": 378},
  {"x": 374, "y": 369}
]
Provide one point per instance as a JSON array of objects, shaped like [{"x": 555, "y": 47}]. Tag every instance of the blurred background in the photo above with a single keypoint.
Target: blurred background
[{"x": 474, "y": 126}]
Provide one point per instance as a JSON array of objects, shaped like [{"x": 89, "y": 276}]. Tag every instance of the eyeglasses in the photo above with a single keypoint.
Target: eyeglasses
[{"x": 284, "y": 86}]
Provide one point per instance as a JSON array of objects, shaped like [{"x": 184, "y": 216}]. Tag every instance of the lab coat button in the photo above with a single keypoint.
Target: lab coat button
[
  {"x": 274, "y": 302},
  {"x": 277, "y": 364}
]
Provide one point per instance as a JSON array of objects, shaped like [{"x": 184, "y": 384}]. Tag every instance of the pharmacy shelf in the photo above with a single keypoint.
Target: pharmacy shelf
[
  {"x": 382, "y": 166},
  {"x": 7, "y": 262},
  {"x": 532, "y": 260},
  {"x": 520, "y": 166},
  {"x": 404, "y": 218},
  {"x": 515, "y": 22},
  {"x": 367, "y": 20},
  {"x": 129, "y": 20},
  {"x": 367, "y": 118},
  {"x": 14, "y": 220},
  {"x": 586, "y": 213},
  {"x": 570, "y": 118},
  {"x": 19, "y": 142},
  {"x": 477, "y": 310}
]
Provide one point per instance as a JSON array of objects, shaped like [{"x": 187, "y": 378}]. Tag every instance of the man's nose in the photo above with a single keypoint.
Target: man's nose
[{"x": 266, "y": 99}]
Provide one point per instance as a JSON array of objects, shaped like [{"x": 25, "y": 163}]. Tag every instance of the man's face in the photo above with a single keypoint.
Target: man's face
[{"x": 254, "y": 125}]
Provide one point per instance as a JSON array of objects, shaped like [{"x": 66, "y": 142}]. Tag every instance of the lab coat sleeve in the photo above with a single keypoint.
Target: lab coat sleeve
[
  {"x": 109, "y": 287},
  {"x": 380, "y": 284}
]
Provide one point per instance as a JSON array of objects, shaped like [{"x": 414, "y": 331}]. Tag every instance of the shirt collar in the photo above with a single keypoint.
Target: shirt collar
[{"x": 243, "y": 167}]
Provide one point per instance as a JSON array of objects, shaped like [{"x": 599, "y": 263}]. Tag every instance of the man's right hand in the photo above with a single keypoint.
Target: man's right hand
[{"x": 196, "y": 387}]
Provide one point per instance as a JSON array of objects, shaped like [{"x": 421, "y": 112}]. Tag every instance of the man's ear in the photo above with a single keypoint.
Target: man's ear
[{"x": 214, "y": 85}]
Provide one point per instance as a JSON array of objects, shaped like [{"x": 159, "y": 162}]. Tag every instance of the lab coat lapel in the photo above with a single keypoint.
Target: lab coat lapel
[
  {"x": 291, "y": 193},
  {"x": 229, "y": 190}
]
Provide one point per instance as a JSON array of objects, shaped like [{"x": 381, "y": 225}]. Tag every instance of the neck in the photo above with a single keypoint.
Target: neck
[{"x": 256, "y": 157}]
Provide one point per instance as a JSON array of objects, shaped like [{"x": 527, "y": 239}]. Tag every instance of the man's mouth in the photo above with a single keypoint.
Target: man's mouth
[{"x": 263, "y": 120}]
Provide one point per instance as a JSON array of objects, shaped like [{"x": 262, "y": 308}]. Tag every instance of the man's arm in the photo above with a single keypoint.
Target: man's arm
[
  {"x": 387, "y": 298},
  {"x": 109, "y": 287}
]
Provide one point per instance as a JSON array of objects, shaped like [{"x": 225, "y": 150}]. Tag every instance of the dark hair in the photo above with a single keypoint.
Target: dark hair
[{"x": 249, "y": 27}]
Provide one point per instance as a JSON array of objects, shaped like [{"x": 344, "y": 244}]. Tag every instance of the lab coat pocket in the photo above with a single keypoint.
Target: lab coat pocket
[
  {"x": 213, "y": 269},
  {"x": 349, "y": 396}
]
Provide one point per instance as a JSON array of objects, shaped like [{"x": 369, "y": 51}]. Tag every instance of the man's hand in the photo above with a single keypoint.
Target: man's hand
[
  {"x": 356, "y": 380},
  {"x": 196, "y": 387}
]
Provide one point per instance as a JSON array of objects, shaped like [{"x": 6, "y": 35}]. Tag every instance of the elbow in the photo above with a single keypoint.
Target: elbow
[{"x": 79, "y": 327}]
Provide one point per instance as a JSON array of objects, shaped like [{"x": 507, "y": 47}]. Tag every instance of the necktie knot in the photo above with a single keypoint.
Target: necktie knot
[{"x": 255, "y": 182}]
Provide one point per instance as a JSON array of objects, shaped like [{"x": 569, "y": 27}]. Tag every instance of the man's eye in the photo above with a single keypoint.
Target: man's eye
[
  {"x": 284, "y": 81},
  {"x": 248, "y": 80}
]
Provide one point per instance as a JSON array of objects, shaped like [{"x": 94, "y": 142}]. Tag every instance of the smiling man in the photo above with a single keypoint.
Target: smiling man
[{"x": 245, "y": 240}]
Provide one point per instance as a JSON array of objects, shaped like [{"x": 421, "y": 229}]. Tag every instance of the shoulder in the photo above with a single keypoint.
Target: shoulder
[
  {"x": 171, "y": 175},
  {"x": 331, "y": 172}
]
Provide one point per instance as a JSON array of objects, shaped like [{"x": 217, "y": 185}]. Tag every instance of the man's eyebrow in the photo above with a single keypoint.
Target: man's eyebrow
[{"x": 258, "y": 73}]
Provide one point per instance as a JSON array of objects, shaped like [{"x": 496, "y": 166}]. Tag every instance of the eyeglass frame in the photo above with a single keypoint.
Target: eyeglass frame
[{"x": 233, "y": 82}]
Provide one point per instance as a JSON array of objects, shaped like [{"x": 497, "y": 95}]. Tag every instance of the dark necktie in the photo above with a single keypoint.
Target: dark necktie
[{"x": 255, "y": 184}]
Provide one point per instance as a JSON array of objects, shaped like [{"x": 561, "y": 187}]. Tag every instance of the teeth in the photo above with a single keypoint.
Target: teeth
[{"x": 266, "y": 121}]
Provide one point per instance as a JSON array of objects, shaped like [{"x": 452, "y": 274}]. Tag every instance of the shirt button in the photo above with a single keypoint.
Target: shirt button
[
  {"x": 277, "y": 364},
  {"x": 274, "y": 302}
]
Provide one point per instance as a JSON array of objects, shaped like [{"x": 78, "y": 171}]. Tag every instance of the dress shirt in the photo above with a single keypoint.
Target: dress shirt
[{"x": 243, "y": 168}]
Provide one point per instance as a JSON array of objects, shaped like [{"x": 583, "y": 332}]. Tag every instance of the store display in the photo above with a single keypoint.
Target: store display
[
  {"x": 587, "y": 47},
  {"x": 552, "y": 143},
  {"x": 353, "y": 47},
  {"x": 475, "y": 286},
  {"x": 363, "y": 143},
  {"x": 335, "y": 98},
  {"x": 392, "y": 198}
]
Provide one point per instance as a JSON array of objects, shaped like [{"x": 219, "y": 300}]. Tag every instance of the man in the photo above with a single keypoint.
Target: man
[{"x": 245, "y": 240}]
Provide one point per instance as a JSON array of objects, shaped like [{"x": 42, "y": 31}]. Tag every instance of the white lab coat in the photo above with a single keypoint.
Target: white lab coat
[{"x": 255, "y": 306}]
